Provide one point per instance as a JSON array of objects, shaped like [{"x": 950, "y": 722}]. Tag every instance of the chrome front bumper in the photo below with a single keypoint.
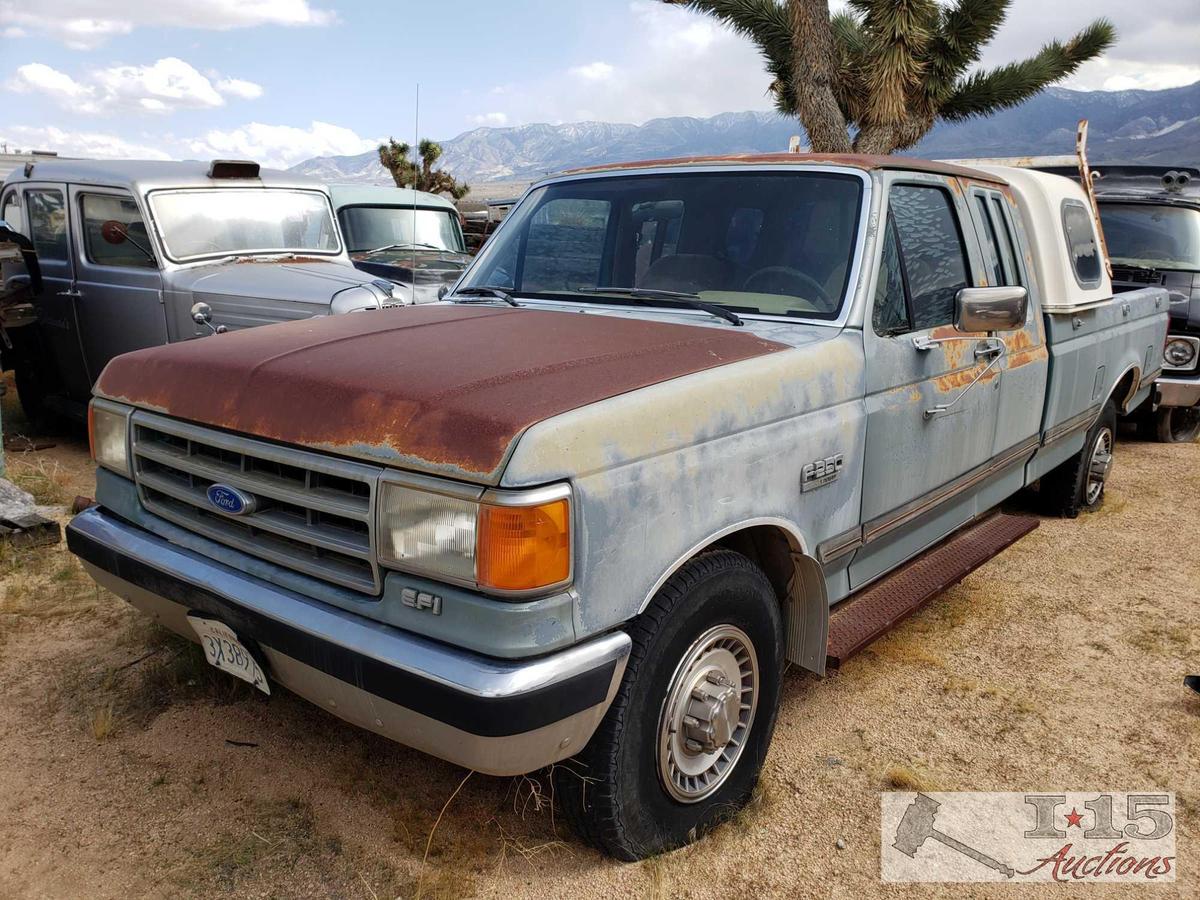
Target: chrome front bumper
[
  {"x": 1179, "y": 391},
  {"x": 500, "y": 717}
]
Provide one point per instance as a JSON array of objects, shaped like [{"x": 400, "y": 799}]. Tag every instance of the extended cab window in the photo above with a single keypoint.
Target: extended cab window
[
  {"x": 114, "y": 233},
  {"x": 1081, "y": 243},
  {"x": 996, "y": 239},
  {"x": 931, "y": 254},
  {"x": 47, "y": 222}
]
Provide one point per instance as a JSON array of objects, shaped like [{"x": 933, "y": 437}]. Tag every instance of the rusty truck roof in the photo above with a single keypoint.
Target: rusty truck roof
[{"x": 850, "y": 160}]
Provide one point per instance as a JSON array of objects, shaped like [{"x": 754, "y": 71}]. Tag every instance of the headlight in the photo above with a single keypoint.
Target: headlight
[
  {"x": 504, "y": 542},
  {"x": 108, "y": 436},
  {"x": 1180, "y": 353}
]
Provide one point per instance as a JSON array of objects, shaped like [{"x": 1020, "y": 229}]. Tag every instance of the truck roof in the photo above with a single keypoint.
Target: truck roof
[
  {"x": 381, "y": 195},
  {"x": 852, "y": 160},
  {"x": 141, "y": 175}
]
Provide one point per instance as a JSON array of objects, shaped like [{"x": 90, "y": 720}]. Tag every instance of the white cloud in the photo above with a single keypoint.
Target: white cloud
[
  {"x": 492, "y": 119},
  {"x": 280, "y": 145},
  {"x": 237, "y": 87},
  {"x": 597, "y": 71},
  {"x": 83, "y": 24},
  {"x": 675, "y": 62},
  {"x": 14, "y": 32},
  {"x": 161, "y": 87},
  {"x": 90, "y": 144}
]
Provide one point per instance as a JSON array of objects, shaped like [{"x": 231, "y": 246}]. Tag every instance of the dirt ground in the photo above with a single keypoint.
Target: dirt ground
[{"x": 129, "y": 768}]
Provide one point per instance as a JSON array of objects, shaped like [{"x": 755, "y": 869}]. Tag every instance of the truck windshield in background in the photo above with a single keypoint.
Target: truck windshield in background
[
  {"x": 378, "y": 227},
  {"x": 1151, "y": 235},
  {"x": 195, "y": 224},
  {"x": 779, "y": 243}
]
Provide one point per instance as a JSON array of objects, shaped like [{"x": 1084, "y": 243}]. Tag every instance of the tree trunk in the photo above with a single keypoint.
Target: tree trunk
[
  {"x": 813, "y": 77},
  {"x": 877, "y": 140}
]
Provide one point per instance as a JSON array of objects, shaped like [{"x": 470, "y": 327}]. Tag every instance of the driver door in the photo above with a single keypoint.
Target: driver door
[
  {"x": 118, "y": 282},
  {"x": 921, "y": 466}
]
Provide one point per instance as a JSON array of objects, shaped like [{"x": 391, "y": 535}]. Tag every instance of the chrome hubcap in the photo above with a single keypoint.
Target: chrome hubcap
[
  {"x": 707, "y": 713},
  {"x": 1099, "y": 467}
]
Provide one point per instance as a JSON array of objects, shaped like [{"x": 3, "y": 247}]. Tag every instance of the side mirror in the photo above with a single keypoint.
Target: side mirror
[
  {"x": 201, "y": 313},
  {"x": 443, "y": 291},
  {"x": 991, "y": 309},
  {"x": 114, "y": 232}
]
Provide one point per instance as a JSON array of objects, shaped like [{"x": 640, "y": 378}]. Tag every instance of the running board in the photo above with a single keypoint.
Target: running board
[{"x": 864, "y": 616}]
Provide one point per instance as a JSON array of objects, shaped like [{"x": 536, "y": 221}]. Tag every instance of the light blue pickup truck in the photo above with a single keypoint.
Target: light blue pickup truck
[{"x": 679, "y": 423}]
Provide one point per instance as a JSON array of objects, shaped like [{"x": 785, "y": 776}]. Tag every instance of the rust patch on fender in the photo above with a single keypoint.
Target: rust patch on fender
[{"x": 443, "y": 388}]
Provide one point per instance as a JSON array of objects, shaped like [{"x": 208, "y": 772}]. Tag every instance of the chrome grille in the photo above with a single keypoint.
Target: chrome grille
[{"x": 314, "y": 513}]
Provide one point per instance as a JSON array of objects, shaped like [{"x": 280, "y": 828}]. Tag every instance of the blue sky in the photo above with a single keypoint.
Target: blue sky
[{"x": 284, "y": 80}]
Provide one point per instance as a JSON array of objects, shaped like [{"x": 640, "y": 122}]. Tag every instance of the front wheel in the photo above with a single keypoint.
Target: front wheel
[
  {"x": 681, "y": 748},
  {"x": 1177, "y": 424}
]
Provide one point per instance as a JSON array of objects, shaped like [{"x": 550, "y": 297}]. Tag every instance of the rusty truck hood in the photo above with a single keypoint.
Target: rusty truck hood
[{"x": 444, "y": 389}]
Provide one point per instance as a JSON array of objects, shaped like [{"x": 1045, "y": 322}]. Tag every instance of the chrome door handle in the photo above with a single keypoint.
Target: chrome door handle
[{"x": 70, "y": 293}]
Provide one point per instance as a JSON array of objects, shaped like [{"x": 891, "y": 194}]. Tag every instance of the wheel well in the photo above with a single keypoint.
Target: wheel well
[
  {"x": 799, "y": 584},
  {"x": 1125, "y": 390},
  {"x": 770, "y": 549}
]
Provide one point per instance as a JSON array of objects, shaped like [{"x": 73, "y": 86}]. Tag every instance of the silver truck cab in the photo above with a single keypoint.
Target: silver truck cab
[{"x": 128, "y": 248}]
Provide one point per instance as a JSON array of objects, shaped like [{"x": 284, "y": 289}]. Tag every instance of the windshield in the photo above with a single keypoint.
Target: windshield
[
  {"x": 372, "y": 227},
  {"x": 1158, "y": 237},
  {"x": 225, "y": 221},
  {"x": 780, "y": 243}
]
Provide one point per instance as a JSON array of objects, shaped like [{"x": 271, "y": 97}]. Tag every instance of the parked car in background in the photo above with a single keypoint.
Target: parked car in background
[
  {"x": 127, "y": 248},
  {"x": 680, "y": 422},
  {"x": 1151, "y": 218},
  {"x": 410, "y": 237}
]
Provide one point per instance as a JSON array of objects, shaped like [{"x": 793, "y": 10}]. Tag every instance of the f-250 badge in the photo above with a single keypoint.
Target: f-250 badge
[{"x": 822, "y": 472}]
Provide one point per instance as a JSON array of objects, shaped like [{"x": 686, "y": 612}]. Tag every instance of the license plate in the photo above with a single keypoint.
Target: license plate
[{"x": 223, "y": 650}]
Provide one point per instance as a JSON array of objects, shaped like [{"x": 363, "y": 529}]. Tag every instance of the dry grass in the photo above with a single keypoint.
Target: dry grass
[
  {"x": 41, "y": 476},
  {"x": 103, "y": 722},
  {"x": 910, "y": 778}
]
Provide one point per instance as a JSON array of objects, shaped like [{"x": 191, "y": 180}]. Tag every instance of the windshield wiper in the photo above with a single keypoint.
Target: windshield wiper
[
  {"x": 687, "y": 299},
  {"x": 483, "y": 291},
  {"x": 408, "y": 245}
]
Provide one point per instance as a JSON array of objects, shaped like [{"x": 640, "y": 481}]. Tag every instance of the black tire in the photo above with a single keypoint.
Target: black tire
[
  {"x": 1177, "y": 424},
  {"x": 612, "y": 793},
  {"x": 32, "y": 390},
  {"x": 1070, "y": 489}
]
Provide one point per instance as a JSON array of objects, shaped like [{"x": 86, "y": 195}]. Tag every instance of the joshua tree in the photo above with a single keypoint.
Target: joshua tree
[
  {"x": 889, "y": 69},
  {"x": 397, "y": 159}
]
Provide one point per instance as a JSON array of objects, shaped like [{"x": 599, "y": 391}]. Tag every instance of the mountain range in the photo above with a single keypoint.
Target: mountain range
[{"x": 1126, "y": 126}]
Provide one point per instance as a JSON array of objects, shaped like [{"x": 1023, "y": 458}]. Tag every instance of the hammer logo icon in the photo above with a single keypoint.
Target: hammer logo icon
[{"x": 917, "y": 826}]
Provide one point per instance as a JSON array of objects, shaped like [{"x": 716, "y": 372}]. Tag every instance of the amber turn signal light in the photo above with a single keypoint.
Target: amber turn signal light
[{"x": 523, "y": 548}]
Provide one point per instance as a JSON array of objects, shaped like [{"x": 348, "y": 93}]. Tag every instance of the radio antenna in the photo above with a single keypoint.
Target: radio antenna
[{"x": 417, "y": 171}]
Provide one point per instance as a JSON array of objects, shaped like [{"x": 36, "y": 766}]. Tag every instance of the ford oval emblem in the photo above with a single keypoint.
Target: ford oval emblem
[{"x": 230, "y": 500}]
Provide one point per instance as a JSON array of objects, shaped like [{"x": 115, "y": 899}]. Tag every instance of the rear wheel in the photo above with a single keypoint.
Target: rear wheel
[
  {"x": 32, "y": 390},
  {"x": 1177, "y": 425},
  {"x": 681, "y": 747},
  {"x": 1079, "y": 483}
]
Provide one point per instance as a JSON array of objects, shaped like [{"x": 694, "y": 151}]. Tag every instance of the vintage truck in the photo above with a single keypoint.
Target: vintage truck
[
  {"x": 128, "y": 248},
  {"x": 1151, "y": 221},
  {"x": 680, "y": 422},
  {"x": 413, "y": 238}
]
